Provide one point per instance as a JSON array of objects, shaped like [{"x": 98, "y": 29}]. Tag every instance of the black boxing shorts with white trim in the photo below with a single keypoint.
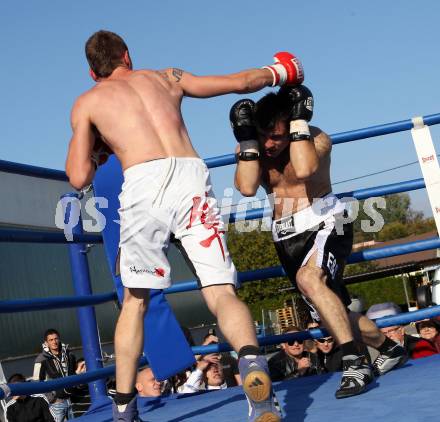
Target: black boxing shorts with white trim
[{"x": 320, "y": 228}]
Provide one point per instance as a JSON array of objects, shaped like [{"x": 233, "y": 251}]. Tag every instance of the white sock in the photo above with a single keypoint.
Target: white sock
[{"x": 122, "y": 407}]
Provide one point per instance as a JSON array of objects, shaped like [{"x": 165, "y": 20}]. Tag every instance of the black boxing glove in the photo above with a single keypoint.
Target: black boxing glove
[
  {"x": 241, "y": 117},
  {"x": 299, "y": 100}
]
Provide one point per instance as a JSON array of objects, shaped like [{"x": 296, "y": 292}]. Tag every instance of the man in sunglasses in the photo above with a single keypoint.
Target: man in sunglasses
[
  {"x": 292, "y": 361},
  {"x": 328, "y": 355}
]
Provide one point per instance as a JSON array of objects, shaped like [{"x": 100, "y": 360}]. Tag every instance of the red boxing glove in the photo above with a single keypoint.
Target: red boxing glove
[{"x": 286, "y": 70}]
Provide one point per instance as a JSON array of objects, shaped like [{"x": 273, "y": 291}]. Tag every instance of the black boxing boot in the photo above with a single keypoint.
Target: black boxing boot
[
  {"x": 393, "y": 357},
  {"x": 356, "y": 376}
]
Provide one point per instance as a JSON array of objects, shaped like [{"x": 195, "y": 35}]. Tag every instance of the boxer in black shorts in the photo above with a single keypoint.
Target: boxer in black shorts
[
  {"x": 311, "y": 229},
  {"x": 294, "y": 249}
]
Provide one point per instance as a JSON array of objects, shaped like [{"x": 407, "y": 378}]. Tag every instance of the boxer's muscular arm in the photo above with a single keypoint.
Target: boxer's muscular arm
[
  {"x": 306, "y": 156},
  {"x": 210, "y": 86},
  {"x": 304, "y": 159},
  {"x": 247, "y": 176},
  {"x": 323, "y": 143},
  {"x": 79, "y": 167},
  {"x": 287, "y": 69}
]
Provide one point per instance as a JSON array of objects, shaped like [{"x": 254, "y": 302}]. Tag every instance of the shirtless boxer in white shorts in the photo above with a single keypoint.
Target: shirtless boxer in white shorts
[{"x": 166, "y": 193}]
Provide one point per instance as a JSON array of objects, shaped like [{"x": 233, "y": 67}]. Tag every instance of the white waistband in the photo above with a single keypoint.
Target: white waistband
[
  {"x": 307, "y": 218},
  {"x": 157, "y": 164}
]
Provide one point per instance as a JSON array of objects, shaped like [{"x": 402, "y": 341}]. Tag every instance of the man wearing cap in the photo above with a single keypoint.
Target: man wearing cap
[{"x": 430, "y": 330}]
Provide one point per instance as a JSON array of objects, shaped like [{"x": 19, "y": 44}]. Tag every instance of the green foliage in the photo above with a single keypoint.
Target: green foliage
[
  {"x": 400, "y": 220},
  {"x": 421, "y": 225},
  {"x": 360, "y": 268},
  {"x": 393, "y": 230},
  {"x": 397, "y": 208},
  {"x": 389, "y": 289},
  {"x": 252, "y": 250}
]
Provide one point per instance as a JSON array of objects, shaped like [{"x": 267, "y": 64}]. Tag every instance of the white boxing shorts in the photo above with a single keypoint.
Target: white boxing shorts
[{"x": 171, "y": 198}]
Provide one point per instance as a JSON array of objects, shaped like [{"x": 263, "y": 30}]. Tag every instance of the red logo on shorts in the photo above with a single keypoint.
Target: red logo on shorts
[
  {"x": 208, "y": 220},
  {"x": 159, "y": 272}
]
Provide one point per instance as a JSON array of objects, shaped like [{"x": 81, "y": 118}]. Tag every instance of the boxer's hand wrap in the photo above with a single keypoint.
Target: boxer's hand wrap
[
  {"x": 286, "y": 70},
  {"x": 300, "y": 104},
  {"x": 241, "y": 117}
]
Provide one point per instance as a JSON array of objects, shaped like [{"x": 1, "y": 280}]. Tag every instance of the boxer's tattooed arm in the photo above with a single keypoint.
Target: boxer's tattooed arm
[{"x": 177, "y": 73}]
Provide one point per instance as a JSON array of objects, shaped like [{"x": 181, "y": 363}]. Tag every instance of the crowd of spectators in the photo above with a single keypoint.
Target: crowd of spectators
[
  {"x": 297, "y": 358},
  {"x": 214, "y": 371}
]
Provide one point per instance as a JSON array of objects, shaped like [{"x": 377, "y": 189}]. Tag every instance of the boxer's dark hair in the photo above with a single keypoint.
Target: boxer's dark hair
[
  {"x": 270, "y": 109},
  {"x": 104, "y": 51}
]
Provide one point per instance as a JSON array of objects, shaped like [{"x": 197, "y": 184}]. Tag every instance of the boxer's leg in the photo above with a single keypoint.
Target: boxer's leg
[
  {"x": 233, "y": 316},
  {"x": 129, "y": 338}
]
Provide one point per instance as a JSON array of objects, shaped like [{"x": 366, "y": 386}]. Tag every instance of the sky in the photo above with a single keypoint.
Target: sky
[{"x": 367, "y": 63}]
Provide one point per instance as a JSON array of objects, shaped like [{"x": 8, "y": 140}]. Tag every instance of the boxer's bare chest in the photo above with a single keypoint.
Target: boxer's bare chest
[{"x": 291, "y": 194}]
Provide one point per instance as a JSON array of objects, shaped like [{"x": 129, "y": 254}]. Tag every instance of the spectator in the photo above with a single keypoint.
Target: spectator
[
  {"x": 33, "y": 408},
  {"x": 228, "y": 363},
  {"x": 80, "y": 394},
  {"x": 292, "y": 361},
  {"x": 208, "y": 375},
  {"x": 429, "y": 330},
  {"x": 328, "y": 356},
  {"x": 414, "y": 347},
  {"x": 55, "y": 362},
  {"x": 384, "y": 309},
  {"x": 147, "y": 385},
  {"x": 310, "y": 344},
  {"x": 175, "y": 383}
]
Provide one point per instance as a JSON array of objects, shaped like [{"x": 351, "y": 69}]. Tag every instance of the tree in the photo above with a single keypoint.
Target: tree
[
  {"x": 393, "y": 230},
  {"x": 252, "y": 250},
  {"x": 359, "y": 268},
  {"x": 398, "y": 219}
]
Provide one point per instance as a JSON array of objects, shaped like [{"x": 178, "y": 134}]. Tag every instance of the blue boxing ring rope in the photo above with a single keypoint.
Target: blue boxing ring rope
[{"x": 85, "y": 300}]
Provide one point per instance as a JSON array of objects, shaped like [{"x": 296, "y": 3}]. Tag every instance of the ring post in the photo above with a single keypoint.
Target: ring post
[{"x": 82, "y": 286}]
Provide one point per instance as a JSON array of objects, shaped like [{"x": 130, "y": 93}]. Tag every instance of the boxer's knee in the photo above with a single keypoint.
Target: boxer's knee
[
  {"x": 136, "y": 300},
  {"x": 216, "y": 294},
  {"x": 310, "y": 281}
]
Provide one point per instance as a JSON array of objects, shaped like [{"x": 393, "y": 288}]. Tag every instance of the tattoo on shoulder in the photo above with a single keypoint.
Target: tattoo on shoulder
[{"x": 177, "y": 73}]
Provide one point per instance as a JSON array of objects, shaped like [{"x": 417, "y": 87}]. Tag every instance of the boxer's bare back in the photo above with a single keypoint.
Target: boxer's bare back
[{"x": 138, "y": 115}]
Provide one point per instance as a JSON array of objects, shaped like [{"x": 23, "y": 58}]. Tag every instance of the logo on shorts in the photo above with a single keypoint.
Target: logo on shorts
[
  {"x": 332, "y": 265},
  {"x": 285, "y": 227},
  {"x": 159, "y": 272},
  {"x": 209, "y": 219},
  {"x": 312, "y": 310}
]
